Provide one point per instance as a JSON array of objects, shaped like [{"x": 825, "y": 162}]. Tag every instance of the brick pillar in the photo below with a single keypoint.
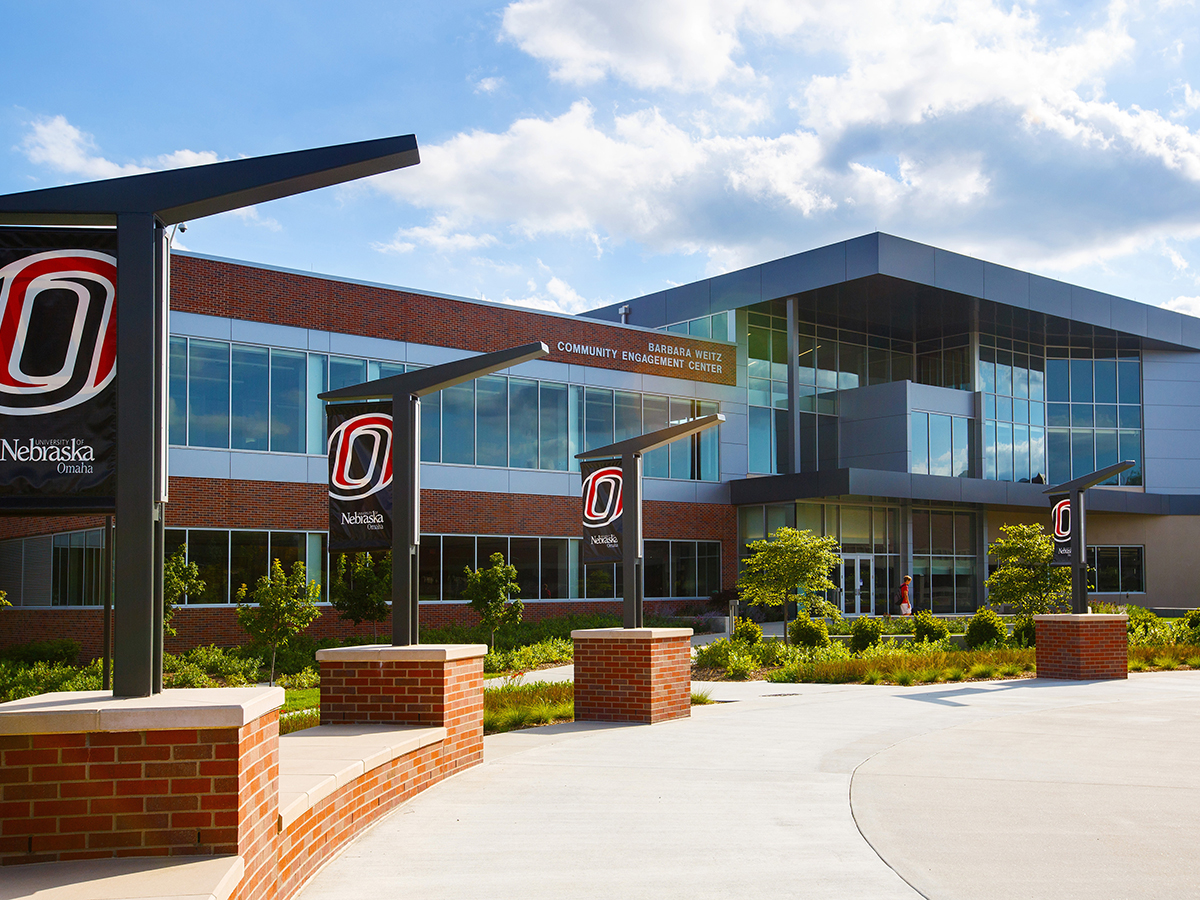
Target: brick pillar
[
  {"x": 633, "y": 674},
  {"x": 423, "y": 684},
  {"x": 184, "y": 772},
  {"x": 1082, "y": 647}
]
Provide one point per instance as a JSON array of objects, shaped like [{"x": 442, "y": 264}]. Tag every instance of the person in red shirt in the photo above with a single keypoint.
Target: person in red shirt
[{"x": 905, "y": 597}]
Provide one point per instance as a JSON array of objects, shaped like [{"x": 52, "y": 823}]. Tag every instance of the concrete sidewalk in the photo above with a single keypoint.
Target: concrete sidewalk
[{"x": 1020, "y": 788}]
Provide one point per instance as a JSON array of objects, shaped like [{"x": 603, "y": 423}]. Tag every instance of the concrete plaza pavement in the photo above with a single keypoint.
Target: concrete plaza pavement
[{"x": 1029, "y": 788}]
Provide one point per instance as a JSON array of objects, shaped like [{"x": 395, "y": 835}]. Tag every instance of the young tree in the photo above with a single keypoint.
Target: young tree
[
  {"x": 180, "y": 578},
  {"x": 4, "y": 599},
  {"x": 287, "y": 604},
  {"x": 488, "y": 591},
  {"x": 361, "y": 591},
  {"x": 788, "y": 564},
  {"x": 1024, "y": 578}
]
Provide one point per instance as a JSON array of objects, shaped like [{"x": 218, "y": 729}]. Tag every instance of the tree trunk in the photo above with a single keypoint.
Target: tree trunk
[{"x": 272, "y": 665}]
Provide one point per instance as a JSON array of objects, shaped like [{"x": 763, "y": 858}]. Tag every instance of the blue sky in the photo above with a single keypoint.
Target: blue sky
[{"x": 579, "y": 152}]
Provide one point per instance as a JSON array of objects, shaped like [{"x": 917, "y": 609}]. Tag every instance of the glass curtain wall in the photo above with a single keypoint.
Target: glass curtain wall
[
  {"x": 245, "y": 397},
  {"x": 944, "y": 565},
  {"x": 868, "y": 537}
]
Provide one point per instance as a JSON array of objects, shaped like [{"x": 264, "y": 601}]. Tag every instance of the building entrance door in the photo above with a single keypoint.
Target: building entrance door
[{"x": 858, "y": 585}]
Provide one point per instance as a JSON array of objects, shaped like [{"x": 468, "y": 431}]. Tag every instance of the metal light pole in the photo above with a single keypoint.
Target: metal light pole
[
  {"x": 630, "y": 453},
  {"x": 405, "y": 391}
]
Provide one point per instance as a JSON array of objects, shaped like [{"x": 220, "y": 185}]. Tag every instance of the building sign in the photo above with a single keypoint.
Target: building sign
[
  {"x": 1060, "y": 522},
  {"x": 360, "y": 476},
  {"x": 693, "y": 359},
  {"x": 602, "y": 525},
  {"x": 58, "y": 341}
]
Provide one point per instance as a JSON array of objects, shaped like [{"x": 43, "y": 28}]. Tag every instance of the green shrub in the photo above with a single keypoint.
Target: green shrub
[
  {"x": 551, "y": 651},
  {"x": 806, "y": 632},
  {"x": 865, "y": 631},
  {"x": 928, "y": 627},
  {"x": 18, "y": 680},
  {"x": 58, "y": 650},
  {"x": 187, "y": 675},
  {"x": 713, "y": 655},
  {"x": 302, "y": 680},
  {"x": 1024, "y": 633},
  {"x": 986, "y": 629},
  {"x": 741, "y": 662},
  {"x": 769, "y": 654},
  {"x": 746, "y": 632}
]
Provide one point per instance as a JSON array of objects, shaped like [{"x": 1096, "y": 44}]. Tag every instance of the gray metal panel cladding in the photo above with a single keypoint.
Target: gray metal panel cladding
[
  {"x": 803, "y": 272},
  {"x": 1171, "y": 432}
]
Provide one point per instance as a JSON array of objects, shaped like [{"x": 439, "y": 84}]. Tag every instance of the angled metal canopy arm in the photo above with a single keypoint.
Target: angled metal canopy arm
[
  {"x": 179, "y": 195},
  {"x": 1083, "y": 482},
  {"x": 436, "y": 378},
  {"x": 653, "y": 440}
]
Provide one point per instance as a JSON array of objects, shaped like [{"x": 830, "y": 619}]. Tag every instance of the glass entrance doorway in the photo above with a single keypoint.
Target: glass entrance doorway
[{"x": 858, "y": 585}]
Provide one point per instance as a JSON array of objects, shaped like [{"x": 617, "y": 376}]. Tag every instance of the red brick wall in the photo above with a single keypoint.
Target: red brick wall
[
  {"x": 238, "y": 291},
  {"x": 639, "y": 680},
  {"x": 139, "y": 793},
  {"x": 1082, "y": 648}
]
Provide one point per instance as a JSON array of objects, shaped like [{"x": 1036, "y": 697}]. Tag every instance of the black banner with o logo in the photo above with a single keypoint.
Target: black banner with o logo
[
  {"x": 360, "y": 476},
  {"x": 602, "y": 524},
  {"x": 58, "y": 343},
  {"x": 1060, "y": 526}
]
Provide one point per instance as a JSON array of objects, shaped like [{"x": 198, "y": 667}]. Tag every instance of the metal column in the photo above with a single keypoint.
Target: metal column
[{"x": 138, "y": 238}]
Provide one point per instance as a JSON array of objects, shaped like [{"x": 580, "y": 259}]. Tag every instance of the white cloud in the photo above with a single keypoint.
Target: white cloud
[
  {"x": 488, "y": 85},
  {"x": 56, "y": 143},
  {"x": 680, "y": 44},
  {"x": 1188, "y": 305},
  {"x": 440, "y": 237},
  {"x": 554, "y": 295}
]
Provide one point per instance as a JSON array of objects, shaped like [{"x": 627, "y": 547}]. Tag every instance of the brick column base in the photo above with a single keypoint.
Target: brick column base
[
  {"x": 422, "y": 684},
  {"x": 1082, "y": 648},
  {"x": 184, "y": 772},
  {"x": 633, "y": 674}
]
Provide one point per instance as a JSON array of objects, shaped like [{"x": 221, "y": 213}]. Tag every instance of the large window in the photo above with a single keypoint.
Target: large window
[
  {"x": 1116, "y": 570},
  {"x": 941, "y": 445},
  {"x": 247, "y": 397},
  {"x": 229, "y": 559},
  {"x": 944, "y": 569},
  {"x": 550, "y": 568}
]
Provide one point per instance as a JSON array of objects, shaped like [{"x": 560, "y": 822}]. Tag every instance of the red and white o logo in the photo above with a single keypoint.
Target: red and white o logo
[
  {"x": 58, "y": 334},
  {"x": 360, "y": 457},
  {"x": 602, "y": 497},
  {"x": 1060, "y": 518}
]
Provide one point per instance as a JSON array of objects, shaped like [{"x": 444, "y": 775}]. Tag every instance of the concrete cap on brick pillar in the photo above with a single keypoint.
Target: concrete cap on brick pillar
[
  {"x": 1082, "y": 617},
  {"x": 629, "y": 634},
  {"x": 67, "y": 712},
  {"x": 411, "y": 653}
]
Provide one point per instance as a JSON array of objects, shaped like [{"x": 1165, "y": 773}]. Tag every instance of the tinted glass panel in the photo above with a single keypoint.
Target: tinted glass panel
[
  {"x": 209, "y": 550},
  {"x": 555, "y": 569},
  {"x": 491, "y": 407},
  {"x": 1058, "y": 443},
  {"x": 458, "y": 428},
  {"x": 457, "y": 554},
  {"x": 656, "y": 415},
  {"x": 940, "y": 446},
  {"x": 250, "y": 400},
  {"x": 598, "y": 418},
  {"x": 288, "y": 401},
  {"x": 523, "y": 553},
  {"x": 1083, "y": 458},
  {"x": 1081, "y": 380},
  {"x": 1106, "y": 381},
  {"x": 178, "y": 392},
  {"x": 920, "y": 443},
  {"x": 681, "y": 451},
  {"x": 523, "y": 423},
  {"x": 431, "y": 428},
  {"x": 554, "y": 424},
  {"x": 1058, "y": 380},
  {"x": 683, "y": 565},
  {"x": 344, "y": 372},
  {"x": 248, "y": 558},
  {"x": 429, "y": 579},
  {"x": 1129, "y": 372},
  {"x": 1133, "y": 577},
  {"x": 657, "y": 565},
  {"x": 962, "y": 459},
  {"x": 628, "y": 411},
  {"x": 208, "y": 394}
]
